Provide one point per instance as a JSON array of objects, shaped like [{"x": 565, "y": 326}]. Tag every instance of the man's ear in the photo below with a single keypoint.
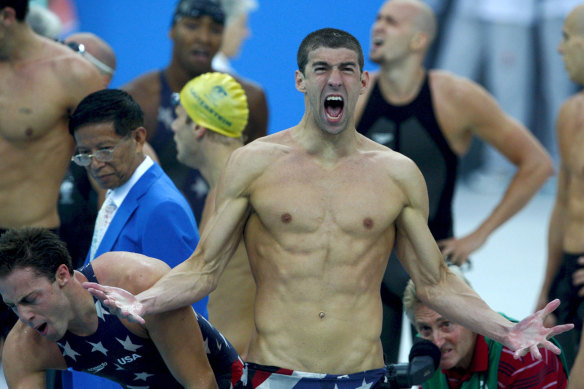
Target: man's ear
[
  {"x": 200, "y": 131},
  {"x": 364, "y": 81},
  {"x": 299, "y": 81},
  {"x": 62, "y": 275},
  {"x": 419, "y": 41},
  {"x": 140, "y": 135},
  {"x": 7, "y": 16}
]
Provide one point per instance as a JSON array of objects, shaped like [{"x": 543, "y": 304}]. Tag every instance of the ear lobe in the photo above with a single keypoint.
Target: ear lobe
[
  {"x": 299, "y": 81},
  {"x": 140, "y": 135},
  {"x": 200, "y": 131},
  {"x": 419, "y": 41},
  {"x": 62, "y": 275}
]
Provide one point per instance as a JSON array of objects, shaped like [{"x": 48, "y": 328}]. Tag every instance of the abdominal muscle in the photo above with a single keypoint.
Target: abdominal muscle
[{"x": 317, "y": 308}]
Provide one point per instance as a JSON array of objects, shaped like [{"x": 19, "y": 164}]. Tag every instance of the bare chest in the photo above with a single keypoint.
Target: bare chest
[
  {"x": 32, "y": 103},
  {"x": 305, "y": 199}
]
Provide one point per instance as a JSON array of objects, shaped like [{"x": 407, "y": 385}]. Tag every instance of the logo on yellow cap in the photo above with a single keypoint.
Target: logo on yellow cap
[{"x": 216, "y": 101}]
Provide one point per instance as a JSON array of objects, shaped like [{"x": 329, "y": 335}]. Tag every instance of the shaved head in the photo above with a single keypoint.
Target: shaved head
[
  {"x": 95, "y": 46},
  {"x": 575, "y": 20},
  {"x": 423, "y": 18}
]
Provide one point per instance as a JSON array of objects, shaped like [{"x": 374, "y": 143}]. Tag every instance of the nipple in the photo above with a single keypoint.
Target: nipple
[
  {"x": 321, "y": 315},
  {"x": 286, "y": 218}
]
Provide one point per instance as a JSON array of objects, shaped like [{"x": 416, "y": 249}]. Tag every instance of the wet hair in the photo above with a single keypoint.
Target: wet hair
[
  {"x": 33, "y": 247},
  {"x": 329, "y": 38},
  {"x": 20, "y": 7},
  {"x": 106, "y": 106}
]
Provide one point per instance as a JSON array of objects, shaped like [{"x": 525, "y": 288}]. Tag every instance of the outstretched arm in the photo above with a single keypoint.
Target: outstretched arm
[
  {"x": 485, "y": 119},
  {"x": 445, "y": 293},
  {"x": 198, "y": 275}
]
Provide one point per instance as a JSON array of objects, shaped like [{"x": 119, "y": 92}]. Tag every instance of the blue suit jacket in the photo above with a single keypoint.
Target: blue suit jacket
[{"x": 155, "y": 220}]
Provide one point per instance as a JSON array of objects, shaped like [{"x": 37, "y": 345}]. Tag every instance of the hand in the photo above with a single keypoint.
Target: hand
[
  {"x": 457, "y": 251},
  {"x": 530, "y": 333},
  {"x": 119, "y": 301},
  {"x": 550, "y": 320},
  {"x": 578, "y": 277}
]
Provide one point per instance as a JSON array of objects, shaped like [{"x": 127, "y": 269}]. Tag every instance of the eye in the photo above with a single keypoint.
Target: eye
[{"x": 425, "y": 331}]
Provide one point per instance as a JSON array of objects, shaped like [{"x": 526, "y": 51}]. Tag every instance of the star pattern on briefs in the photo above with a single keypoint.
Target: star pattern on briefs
[
  {"x": 101, "y": 311},
  {"x": 128, "y": 345},
  {"x": 142, "y": 376},
  {"x": 365, "y": 385},
  {"x": 98, "y": 347},
  {"x": 68, "y": 351}
]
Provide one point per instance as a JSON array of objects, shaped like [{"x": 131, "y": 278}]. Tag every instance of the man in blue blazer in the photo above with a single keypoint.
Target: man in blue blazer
[{"x": 143, "y": 211}]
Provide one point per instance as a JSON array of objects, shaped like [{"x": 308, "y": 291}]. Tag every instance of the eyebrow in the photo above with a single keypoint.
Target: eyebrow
[{"x": 342, "y": 64}]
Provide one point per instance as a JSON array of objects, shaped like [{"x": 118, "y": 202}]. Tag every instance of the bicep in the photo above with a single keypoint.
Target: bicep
[
  {"x": 502, "y": 132},
  {"x": 178, "y": 338},
  {"x": 415, "y": 245}
]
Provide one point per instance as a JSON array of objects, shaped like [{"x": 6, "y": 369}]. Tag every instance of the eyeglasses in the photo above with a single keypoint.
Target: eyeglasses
[{"x": 103, "y": 155}]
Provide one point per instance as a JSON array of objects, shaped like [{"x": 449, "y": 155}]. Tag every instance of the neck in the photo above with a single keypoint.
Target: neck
[
  {"x": 178, "y": 76},
  {"x": 215, "y": 156},
  {"x": 401, "y": 84},
  {"x": 328, "y": 148},
  {"x": 21, "y": 44},
  {"x": 84, "y": 320}
]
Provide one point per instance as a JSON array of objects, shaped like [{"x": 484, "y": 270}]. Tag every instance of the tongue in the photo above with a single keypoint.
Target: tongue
[{"x": 333, "y": 111}]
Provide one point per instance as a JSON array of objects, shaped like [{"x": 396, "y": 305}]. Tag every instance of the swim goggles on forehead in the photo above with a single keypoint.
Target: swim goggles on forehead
[
  {"x": 80, "y": 48},
  {"x": 202, "y": 8}
]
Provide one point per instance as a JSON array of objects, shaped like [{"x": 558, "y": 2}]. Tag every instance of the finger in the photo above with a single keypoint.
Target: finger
[
  {"x": 581, "y": 260},
  {"x": 535, "y": 352},
  {"x": 97, "y": 293},
  {"x": 561, "y": 329},
  {"x": 581, "y": 292},
  {"x": 519, "y": 353},
  {"x": 551, "y": 306},
  {"x": 93, "y": 285},
  {"x": 552, "y": 347}
]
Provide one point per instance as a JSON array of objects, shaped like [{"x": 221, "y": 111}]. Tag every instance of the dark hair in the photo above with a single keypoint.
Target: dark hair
[
  {"x": 330, "y": 38},
  {"x": 20, "y": 7},
  {"x": 197, "y": 9},
  {"x": 105, "y": 106},
  {"x": 33, "y": 247}
]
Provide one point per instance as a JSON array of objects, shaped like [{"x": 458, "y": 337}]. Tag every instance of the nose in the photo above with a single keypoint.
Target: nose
[
  {"x": 437, "y": 339},
  {"x": 26, "y": 315},
  {"x": 335, "y": 78},
  {"x": 204, "y": 34}
]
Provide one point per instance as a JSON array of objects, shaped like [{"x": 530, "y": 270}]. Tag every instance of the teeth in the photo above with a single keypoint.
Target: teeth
[
  {"x": 335, "y": 98},
  {"x": 377, "y": 41}
]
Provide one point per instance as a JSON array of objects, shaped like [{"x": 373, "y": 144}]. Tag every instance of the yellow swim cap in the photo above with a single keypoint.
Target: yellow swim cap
[{"x": 217, "y": 102}]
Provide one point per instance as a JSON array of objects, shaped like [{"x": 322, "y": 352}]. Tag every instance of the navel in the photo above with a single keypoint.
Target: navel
[
  {"x": 368, "y": 223},
  {"x": 28, "y": 132},
  {"x": 322, "y": 315},
  {"x": 286, "y": 218}
]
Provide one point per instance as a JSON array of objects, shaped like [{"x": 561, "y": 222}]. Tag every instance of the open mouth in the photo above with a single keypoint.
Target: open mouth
[
  {"x": 333, "y": 106},
  {"x": 377, "y": 42},
  {"x": 42, "y": 329}
]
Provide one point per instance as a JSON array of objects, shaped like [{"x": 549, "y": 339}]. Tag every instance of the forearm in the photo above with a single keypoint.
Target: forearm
[
  {"x": 456, "y": 301},
  {"x": 182, "y": 286},
  {"x": 555, "y": 247},
  {"x": 525, "y": 183}
]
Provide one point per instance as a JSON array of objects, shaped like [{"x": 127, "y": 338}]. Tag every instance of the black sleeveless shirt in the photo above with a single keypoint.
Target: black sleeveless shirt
[{"x": 412, "y": 130}]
